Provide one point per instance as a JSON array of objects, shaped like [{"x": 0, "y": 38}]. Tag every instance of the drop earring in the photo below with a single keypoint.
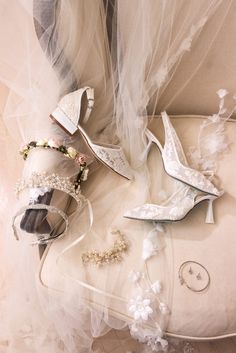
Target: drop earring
[
  {"x": 199, "y": 277},
  {"x": 190, "y": 271}
]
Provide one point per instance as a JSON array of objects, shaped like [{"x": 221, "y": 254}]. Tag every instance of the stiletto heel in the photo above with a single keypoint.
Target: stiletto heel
[
  {"x": 175, "y": 162},
  {"x": 68, "y": 114},
  {"x": 176, "y": 208},
  {"x": 210, "y": 214}
]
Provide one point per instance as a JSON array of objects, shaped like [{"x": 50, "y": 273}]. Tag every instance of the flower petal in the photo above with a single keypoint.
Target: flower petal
[
  {"x": 222, "y": 93},
  {"x": 146, "y": 302},
  {"x": 156, "y": 287},
  {"x": 137, "y": 315},
  {"x": 149, "y": 310},
  {"x": 132, "y": 308},
  {"x": 144, "y": 315}
]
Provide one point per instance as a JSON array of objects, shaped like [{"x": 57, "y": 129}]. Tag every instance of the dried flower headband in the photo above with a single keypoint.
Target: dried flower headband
[{"x": 69, "y": 152}]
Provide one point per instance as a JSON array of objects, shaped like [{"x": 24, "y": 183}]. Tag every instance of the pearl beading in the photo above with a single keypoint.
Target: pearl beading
[
  {"x": 112, "y": 255},
  {"x": 53, "y": 181}
]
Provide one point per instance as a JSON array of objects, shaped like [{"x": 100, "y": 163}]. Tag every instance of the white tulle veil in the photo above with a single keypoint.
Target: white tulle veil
[{"x": 140, "y": 56}]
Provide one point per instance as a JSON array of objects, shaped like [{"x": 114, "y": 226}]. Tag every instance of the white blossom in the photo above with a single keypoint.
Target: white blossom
[
  {"x": 156, "y": 287},
  {"x": 151, "y": 244},
  {"x": 42, "y": 142},
  {"x": 222, "y": 93},
  {"x": 53, "y": 143},
  {"x": 84, "y": 175},
  {"x": 140, "y": 308},
  {"x": 163, "y": 308},
  {"x": 134, "y": 276}
]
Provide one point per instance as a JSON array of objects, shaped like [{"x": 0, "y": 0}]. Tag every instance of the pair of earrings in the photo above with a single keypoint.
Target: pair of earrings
[{"x": 198, "y": 276}]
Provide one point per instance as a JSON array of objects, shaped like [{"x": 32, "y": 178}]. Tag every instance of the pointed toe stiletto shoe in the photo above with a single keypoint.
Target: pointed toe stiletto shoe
[
  {"x": 68, "y": 115},
  {"x": 175, "y": 162},
  {"x": 176, "y": 208}
]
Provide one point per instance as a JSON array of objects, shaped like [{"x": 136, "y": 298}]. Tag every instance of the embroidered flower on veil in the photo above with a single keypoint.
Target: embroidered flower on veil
[
  {"x": 153, "y": 242},
  {"x": 156, "y": 287},
  {"x": 212, "y": 138},
  {"x": 140, "y": 307},
  {"x": 134, "y": 276}
]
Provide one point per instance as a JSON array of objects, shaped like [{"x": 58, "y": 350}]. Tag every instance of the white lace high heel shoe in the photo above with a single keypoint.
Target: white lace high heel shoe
[
  {"x": 174, "y": 209},
  {"x": 175, "y": 162},
  {"x": 68, "y": 116}
]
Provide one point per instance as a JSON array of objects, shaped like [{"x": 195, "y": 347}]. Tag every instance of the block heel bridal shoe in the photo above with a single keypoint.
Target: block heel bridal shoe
[
  {"x": 68, "y": 116},
  {"x": 196, "y": 187}
]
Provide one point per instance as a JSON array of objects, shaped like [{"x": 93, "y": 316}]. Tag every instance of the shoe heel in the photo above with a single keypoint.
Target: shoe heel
[
  {"x": 210, "y": 213},
  {"x": 63, "y": 121}
]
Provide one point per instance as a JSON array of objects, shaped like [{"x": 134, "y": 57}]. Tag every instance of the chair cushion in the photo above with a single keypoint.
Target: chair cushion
[{"x": 200, "y": 315}]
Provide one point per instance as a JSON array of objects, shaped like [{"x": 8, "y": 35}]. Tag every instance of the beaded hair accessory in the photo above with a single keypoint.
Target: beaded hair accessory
[
  {"x": 52, "y": 181},
  {"x": 67, "y": 151},
  {"x": 112, "y": 255}
]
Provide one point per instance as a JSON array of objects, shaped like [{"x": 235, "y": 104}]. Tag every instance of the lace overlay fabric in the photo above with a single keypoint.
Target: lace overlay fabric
[{"x": 180, "y": 171}]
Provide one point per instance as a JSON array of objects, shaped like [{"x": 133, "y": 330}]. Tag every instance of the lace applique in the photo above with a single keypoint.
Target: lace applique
[
  {"x": 114, "y": 158},
  {"x": 147, "y": 310},
  {"x": 176, "y": 163},
  {"x": 153, "y": 243},
  {"x": 212, "y": 138},
  {"x": 150, "y": 313},
  {"x": 176, "y": 207},
  {"x": 163, "y": 72}
]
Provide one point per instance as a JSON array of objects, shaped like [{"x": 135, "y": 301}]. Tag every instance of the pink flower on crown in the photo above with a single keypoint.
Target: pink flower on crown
[{"x": 80, "y": 159}]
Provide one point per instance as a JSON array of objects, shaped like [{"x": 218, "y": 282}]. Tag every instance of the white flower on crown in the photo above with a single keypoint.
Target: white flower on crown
[
  {"x": 84, "y": 175},
  {"x": 213, "y": 145},
  {"x": 41, "y": 142},
  {"x": 140, "y": 308},
  {"x": 53, "y": 143}
]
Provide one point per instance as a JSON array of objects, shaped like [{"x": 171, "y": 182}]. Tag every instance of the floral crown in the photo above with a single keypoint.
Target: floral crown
[{"x": 50, "y": 143}]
